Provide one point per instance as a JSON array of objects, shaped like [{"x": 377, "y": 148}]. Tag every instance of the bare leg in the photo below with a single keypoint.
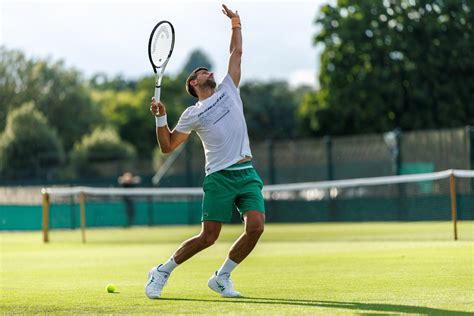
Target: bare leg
[
  {"x": 254, "y": 223},
  {"x": 208, "y": 236}
]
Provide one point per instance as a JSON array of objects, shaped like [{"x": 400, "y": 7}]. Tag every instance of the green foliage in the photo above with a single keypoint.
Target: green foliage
[
  {"x": 128, "y": 111},
  {"x": 29, "y": 145},
  {"x": 197, "y": 59},
  {"x": 58, "y": 92},
  {"x": 307, "y": 113},
  {"x": 74, "y": 107},
  {"x": 270, "y": 110},
  {"x": 14, "y": 73},
  {"x": 101, "y": 81},
  {"x": 390, "y": 64},
  {"x": 173, "y": 95},
  {"x": 103, "y": 145}
]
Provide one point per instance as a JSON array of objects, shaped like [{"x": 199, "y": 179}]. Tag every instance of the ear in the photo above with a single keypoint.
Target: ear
[{"x": 193, "y": 82}]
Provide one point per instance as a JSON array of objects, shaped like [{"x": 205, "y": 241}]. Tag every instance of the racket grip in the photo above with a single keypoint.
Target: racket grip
[{"x": 157, "y": 93}]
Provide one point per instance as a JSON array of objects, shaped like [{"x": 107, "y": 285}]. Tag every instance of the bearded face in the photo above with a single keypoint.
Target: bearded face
[
  {"x": 209, "y": 83},
  {"x": 204, "y": 80}
]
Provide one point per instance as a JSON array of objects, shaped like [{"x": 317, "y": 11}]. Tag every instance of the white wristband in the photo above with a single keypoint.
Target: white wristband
[{"x": 161, "y": 121}]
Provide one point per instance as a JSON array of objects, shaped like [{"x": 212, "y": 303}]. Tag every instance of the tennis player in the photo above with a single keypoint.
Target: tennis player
[{"x": 231, "y": 182}]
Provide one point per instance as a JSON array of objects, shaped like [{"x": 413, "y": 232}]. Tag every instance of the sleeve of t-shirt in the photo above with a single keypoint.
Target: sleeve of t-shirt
[
  {"x": 229, "y": 83},
  {"x": 186, "y": 122}
]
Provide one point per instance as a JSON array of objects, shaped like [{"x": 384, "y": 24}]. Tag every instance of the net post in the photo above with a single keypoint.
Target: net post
[
  {"x": 452, "y": 186},
  {"x": 45, "y": 195},
  {"x": 83, "y": 215}
]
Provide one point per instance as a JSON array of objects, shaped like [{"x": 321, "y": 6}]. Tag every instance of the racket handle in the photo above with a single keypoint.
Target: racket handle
[{"x": 157, "y": 93}]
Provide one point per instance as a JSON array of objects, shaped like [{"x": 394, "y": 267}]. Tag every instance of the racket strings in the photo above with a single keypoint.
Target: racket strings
[{"x": 162, "y": 45}]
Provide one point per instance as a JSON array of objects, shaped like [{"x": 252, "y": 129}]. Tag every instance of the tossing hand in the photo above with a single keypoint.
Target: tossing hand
[{"x": 229, "y": 12}]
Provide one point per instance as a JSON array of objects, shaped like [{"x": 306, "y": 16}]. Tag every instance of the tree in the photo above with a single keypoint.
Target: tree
[
  {"x": 57, "y": 91},
  {"x": 197, "y": 59},
  {"x": 128, "y": 112},
  {"x": 393, "y": 63},
  {"x": 103, "y": 145},
  {"x": 29, "y": 146},
  {"x": 101, "y": 81},
  {"x": 270, "y": 109}
]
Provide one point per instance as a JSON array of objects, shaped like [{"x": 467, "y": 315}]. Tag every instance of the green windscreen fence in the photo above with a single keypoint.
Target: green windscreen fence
[
  {"x": 296, "y": 160},
  {"x": 342, "y": 157},
  {"x": 418, "y": 197},
  {"x": 65, "y": 215}
]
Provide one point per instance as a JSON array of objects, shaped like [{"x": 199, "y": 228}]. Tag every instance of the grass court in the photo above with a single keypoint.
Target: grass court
[{"x": 313, "y": 269}]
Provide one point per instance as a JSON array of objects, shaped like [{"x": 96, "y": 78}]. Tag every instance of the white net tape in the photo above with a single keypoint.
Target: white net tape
[{"x": 62, "y": 191}]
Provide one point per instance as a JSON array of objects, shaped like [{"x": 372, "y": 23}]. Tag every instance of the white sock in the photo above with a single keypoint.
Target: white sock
[
  {"x": 169, "y": 265},
  {"x": 227, "y": 267}
]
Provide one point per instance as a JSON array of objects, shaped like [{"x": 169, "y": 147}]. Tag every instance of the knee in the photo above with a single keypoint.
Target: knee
[
  {"x": 255, "y": 230},
  {"x": 208, "y": 239}
]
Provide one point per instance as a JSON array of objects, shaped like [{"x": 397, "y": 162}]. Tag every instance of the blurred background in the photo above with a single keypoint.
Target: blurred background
[{"x": 331, "y": 89}]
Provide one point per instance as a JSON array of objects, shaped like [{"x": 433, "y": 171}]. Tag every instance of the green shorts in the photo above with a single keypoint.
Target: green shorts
[{"x": 228, "y": 190}]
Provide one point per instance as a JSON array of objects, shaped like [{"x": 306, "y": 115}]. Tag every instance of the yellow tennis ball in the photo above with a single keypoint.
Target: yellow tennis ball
[{"x": 111, "y": 288}]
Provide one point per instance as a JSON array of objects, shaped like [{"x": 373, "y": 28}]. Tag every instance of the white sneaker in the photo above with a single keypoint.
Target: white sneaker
[
  {"x": 156, "y": 281},
  {"x": 222, "y": 284}
]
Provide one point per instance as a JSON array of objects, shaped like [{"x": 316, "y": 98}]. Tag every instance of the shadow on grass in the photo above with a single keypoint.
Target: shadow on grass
[{"x": 361, "y": 308}]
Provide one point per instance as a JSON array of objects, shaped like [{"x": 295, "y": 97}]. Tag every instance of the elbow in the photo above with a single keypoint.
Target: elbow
[
  {"x": 237, "y": 51},
  {"x": 166, "y": 150}
]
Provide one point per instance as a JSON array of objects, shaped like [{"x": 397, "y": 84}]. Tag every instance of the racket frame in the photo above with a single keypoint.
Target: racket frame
[{"x": 159, "y": 71}]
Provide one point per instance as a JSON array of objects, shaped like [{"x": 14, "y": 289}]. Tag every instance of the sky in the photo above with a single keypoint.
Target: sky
[{"x": 112, "y": 36}]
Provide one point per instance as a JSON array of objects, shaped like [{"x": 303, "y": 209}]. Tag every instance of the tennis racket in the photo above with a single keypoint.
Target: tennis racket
[{"x": 160, "y": 48}]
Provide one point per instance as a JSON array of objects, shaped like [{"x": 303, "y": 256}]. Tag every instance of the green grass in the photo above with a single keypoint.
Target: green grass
[{"x": 317, "y": 269}]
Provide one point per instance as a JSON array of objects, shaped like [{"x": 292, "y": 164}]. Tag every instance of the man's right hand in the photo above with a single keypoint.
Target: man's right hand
[{"x": 157, "y": 108}]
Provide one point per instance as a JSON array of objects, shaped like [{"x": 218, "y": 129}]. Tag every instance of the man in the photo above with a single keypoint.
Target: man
[
  {"x": 230, "y": 182},
  {"x": 128, "y": 180}
]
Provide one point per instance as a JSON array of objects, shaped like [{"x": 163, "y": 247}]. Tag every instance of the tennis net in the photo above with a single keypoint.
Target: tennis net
[{"x": 442, "y": 196}]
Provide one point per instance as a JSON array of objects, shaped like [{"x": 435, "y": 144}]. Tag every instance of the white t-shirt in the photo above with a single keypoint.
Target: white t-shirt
[{"x": 220, "y": 124}]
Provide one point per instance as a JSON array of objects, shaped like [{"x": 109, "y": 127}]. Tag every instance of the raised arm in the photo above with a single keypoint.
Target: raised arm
[
  {"x": 235, "y": 45},
  {"x": 168, "y": 140}
]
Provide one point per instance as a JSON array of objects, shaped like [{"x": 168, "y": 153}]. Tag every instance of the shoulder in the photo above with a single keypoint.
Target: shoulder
[
  {"x": 190, "y": 109},
  {"x": 189, "y": 112},
  {"x": 187, "y": 120},
  {"x": 227, "y": 82}
]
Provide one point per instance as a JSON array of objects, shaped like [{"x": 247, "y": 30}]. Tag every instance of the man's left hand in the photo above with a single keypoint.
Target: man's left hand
[{"x": 229, "y": 12}]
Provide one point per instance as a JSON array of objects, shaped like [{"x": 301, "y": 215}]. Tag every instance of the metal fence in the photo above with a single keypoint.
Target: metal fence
[
  {"x": 344, "y": 157},
  {"x": 299, "y": 160}
]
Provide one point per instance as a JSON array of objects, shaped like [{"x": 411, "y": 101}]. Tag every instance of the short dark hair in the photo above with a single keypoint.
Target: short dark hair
[{"x": 193, "y": 76}]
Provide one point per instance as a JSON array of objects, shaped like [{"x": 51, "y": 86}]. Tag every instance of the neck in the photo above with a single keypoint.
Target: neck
[{"x": 205, "y": 93}]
